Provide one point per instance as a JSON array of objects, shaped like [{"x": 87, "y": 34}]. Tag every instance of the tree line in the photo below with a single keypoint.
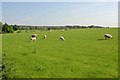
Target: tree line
[{"x": 6, "y": 28}]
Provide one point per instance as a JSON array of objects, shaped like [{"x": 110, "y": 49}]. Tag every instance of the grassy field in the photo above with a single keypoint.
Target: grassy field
[
  {"x": 0, "y": 56},
  {"x": 84, "y": 54}
]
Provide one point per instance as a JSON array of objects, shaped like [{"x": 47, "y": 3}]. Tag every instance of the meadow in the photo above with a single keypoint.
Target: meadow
[
  {"x": 84, "y": 54},
  {"x": 0, "y": 56}
]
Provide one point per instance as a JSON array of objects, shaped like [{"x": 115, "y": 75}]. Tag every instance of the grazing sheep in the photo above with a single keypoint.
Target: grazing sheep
[
  {"x": 33, "y": 37},
  {"x": 108, "y": 36},
  {"x": 62, "y": 38},
  {"x": 45, "y": 37}
]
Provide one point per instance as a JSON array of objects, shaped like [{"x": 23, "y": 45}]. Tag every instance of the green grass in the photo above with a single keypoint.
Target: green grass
[
  {"x": 0, "y": 56},
  {"x": 84, "y": 54}
]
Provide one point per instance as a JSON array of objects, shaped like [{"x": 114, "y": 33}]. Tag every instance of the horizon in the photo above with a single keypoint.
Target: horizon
[
  {"x": 59, "y": 25},
  {"x": 60, "y": 13}
]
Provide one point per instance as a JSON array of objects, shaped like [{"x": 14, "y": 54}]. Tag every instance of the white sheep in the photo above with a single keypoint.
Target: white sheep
[
  {"x": 108, "y": 36},
  {"x": 45, "y": 37},
  {"x": 33, "y": 37},
  {"x": 62, "y": 38}
]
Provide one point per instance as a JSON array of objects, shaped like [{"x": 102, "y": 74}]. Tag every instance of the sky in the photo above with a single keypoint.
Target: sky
[
  {"x": 60, "y": 0},
  {"x": 0, "y": 11},
  {"x": 60, "y": 13}
]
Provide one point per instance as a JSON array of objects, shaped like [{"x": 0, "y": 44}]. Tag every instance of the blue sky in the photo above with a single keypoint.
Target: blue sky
[
  {"x": 0, "y": 11},
  {"x": 59, "y": 0},
  {"x": 60, "y": 13}
]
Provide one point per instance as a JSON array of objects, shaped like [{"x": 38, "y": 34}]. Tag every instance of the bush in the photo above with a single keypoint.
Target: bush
[
  {"x": 7, "y": 28},
  {"x": 19, "y": 31}
]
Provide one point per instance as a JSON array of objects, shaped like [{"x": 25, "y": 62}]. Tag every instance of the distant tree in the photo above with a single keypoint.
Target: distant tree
[
  {"x": 49, "y": 28},
  {"x": 76, "y": 26},
  {"x": 36, "y": 27},
  {"x": 15, "y": 27},
  {"x": 30, "y": 27},
  {"x": 11, "y": 30},
  {"x": 70, "y": 27},
  {"x": 92, "y": 26},
  {"x": 7, "y": 28}
]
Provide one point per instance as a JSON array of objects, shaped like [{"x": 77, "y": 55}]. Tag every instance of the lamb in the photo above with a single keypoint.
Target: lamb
[
  {"x": 45, "y": 37},
  {"x": 108, "y": 36},
  {"x": 33, "y": 37},
  {"x": 62, "y": 38}
]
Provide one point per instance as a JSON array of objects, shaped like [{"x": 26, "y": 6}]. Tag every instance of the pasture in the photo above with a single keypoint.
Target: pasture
[{"x": 84, "y": 54}]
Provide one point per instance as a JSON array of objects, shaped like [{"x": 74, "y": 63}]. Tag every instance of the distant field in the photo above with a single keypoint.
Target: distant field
[{"x": 84, "y": 54}]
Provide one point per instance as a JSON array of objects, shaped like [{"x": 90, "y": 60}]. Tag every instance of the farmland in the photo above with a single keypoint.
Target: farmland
[{"x": 84, "y": 54}]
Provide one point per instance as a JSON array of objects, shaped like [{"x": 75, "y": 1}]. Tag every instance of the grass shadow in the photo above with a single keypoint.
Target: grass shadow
[
  {"x": 24, "y": 54},
  {"x": 101, "y": 39}
]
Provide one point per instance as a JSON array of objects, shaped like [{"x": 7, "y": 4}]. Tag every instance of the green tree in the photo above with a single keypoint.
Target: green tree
[
  {"x": 7, "y": 28},
  {"x": 15, "y": 27}
]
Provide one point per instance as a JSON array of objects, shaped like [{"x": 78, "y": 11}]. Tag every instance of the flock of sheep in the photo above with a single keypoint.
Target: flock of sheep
[{"x": 34, "y": 37}]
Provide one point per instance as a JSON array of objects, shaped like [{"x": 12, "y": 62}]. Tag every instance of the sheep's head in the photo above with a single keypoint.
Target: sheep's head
[{"x": 34, "y": 35}]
